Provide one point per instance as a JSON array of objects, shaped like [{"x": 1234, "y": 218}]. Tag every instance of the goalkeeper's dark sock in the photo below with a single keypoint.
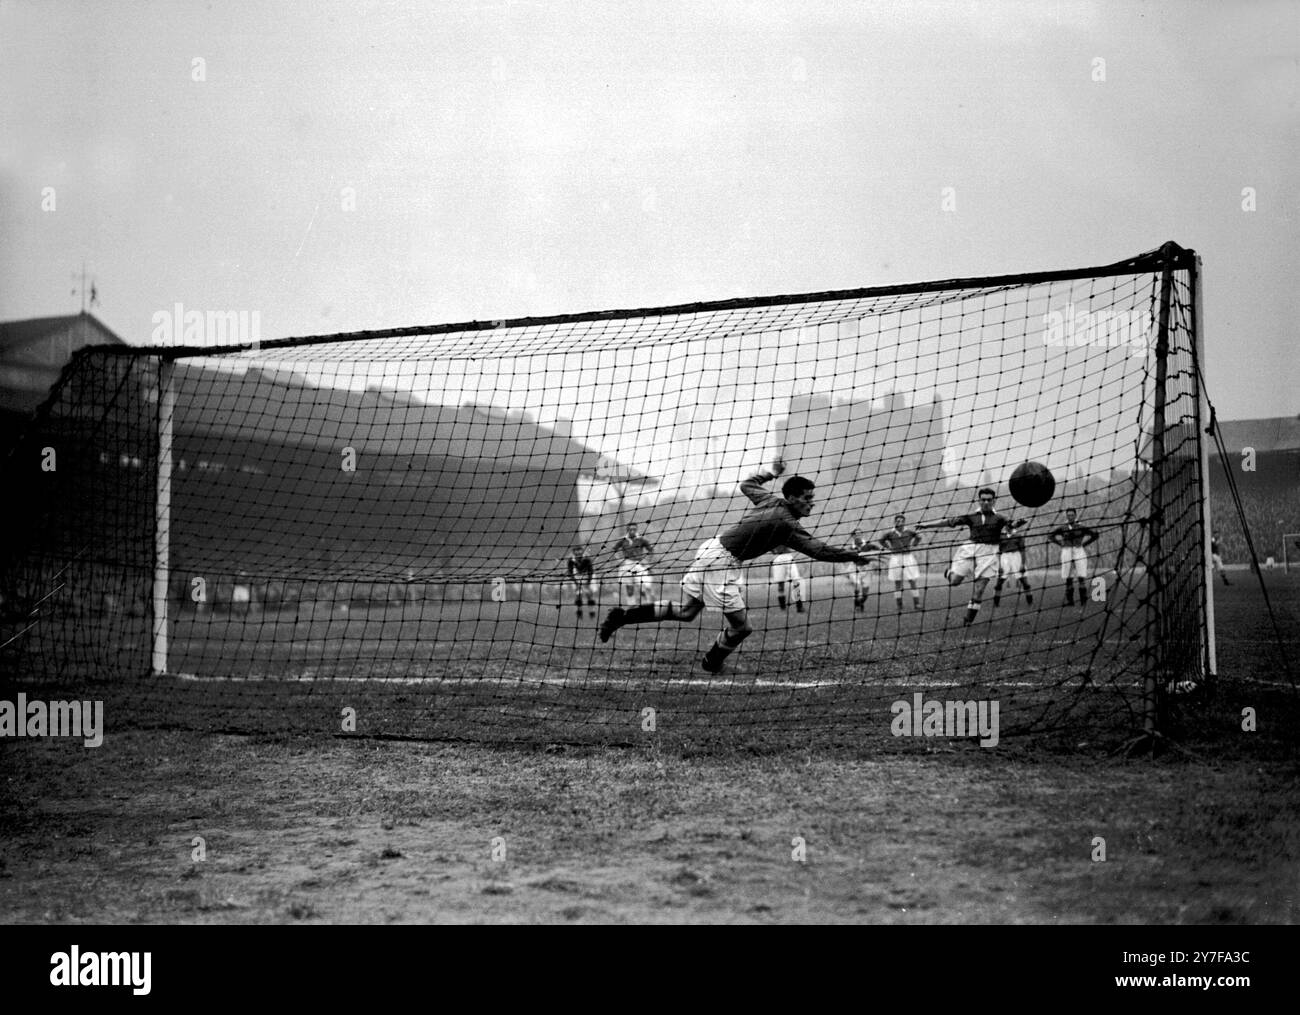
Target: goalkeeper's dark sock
[
  {"x": 727, "y": 643},
  {"x": 799, "y": 605},
  {"x": 648, "y": 613}
]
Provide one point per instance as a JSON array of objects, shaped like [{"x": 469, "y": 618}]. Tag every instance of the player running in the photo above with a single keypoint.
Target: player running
[
  {"x": 714, "y": 578},
  {"x": 634, "y": 578},
  {"x": 1073, "y": 539},
  {"x": 977, "y": 557},
  {"x": 1011, "y": 564},
  {"x": 785, "y": 572},
  {"x": 582, "y": 577},
  {"x": 899, "y": 541}
]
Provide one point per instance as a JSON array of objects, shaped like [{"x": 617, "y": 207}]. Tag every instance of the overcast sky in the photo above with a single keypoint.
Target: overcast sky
[{"x": 513, "y": 158}]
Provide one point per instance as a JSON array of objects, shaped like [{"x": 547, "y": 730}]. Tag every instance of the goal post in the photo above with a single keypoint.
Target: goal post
[
  {"x": 1203, "y": 424},
  {"x": 398, "y": 522},
  {"x": 162, "y": 514}
]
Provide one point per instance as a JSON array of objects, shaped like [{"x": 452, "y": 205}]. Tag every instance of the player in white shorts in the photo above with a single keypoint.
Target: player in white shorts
[
  {"x": 634, "y": 578},
  {"x": 1073, "y": 539},
  {"x": 1011, "y": 564},
  {"x": 859, "y": 575},
  {"x": 976, "y": 558},
  {"x": 714, "y": 578},
  {"x": 901, "y": 563},
  {"x": 785, "y": 573}
]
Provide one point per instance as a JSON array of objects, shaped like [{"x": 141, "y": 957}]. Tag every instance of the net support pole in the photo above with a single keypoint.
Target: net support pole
[
  {"x": 1156, "y": 564},
  {"x": 1210, "y": 667},
  {"x": 162, "y": 513}
]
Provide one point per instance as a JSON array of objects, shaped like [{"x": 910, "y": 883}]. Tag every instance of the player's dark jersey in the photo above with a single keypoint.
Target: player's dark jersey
[
  {"x": 633, "y": 548},
  {"x": 1012, "y": 543},
  {"x": 1073, "y": 534},
  {"x": 984, "y": 528},
  {"x": 769, "y": 524},
  {"x": 899, "y": 542},
  {"x": 579, "y": 565},
  {"x": 1214, "y": 547}
]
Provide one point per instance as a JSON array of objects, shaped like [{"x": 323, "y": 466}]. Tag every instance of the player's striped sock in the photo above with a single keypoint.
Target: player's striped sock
[{"x": 972, "y": 608}]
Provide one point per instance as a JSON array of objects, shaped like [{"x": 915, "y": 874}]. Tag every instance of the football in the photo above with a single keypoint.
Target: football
[{"x": 1032, "y": 484}]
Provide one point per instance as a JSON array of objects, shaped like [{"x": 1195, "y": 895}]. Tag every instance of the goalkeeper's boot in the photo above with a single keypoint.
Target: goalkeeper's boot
[
  {"x": 612, "y": 622},
  {"x": 780, "y": 601}
]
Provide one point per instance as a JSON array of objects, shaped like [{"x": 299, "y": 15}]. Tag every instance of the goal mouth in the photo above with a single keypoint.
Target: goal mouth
[{"x": 406, "y": 513}]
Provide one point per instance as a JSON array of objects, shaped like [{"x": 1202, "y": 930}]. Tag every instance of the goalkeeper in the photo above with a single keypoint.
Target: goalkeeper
[{"x": 715, "y": 576}]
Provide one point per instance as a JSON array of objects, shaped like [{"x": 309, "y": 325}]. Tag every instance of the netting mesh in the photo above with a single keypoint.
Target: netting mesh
[{"x": 383, "y": 522}]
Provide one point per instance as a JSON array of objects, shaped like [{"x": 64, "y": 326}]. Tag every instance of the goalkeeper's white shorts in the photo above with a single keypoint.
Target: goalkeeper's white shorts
[
  {"x": 1074, "y": 561},
  {"x": 715, "y": 577}
]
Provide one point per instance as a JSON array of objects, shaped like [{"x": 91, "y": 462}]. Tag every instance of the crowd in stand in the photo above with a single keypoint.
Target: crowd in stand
[{"x": 1271, "y": 512}]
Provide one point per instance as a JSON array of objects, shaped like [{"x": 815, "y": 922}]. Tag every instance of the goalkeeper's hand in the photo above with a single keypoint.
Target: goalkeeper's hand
[{"x": 778, "y": 467}]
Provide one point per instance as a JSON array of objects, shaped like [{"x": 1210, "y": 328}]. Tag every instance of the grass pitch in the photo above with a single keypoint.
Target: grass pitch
[{"x": 180, "y": 826}]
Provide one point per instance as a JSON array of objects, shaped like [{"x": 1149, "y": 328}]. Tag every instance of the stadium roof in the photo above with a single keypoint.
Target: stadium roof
[
  {"x": 1281, "y": 433},
  {"x": 282, "y": 407},
  {"x": 16, "y": 334}
]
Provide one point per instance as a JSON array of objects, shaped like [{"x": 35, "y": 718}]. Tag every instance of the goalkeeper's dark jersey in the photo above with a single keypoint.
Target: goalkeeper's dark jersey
[
  {"x": 579, "y": 566},
  {"x": 984, "y": 528},
  {"x": 1073, "y": 535},
  {"x": 770, "y": 524}
]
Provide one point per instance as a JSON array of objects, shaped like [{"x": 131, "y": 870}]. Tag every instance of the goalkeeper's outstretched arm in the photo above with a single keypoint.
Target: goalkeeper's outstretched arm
[{"x": 812, "y": 547}]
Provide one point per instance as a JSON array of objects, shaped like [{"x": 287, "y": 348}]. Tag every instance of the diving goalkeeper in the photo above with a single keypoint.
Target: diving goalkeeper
[{"x": 715, "y": 578}]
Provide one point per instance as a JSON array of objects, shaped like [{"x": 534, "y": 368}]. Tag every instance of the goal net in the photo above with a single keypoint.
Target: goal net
[{"x": 372, "y": 532}]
